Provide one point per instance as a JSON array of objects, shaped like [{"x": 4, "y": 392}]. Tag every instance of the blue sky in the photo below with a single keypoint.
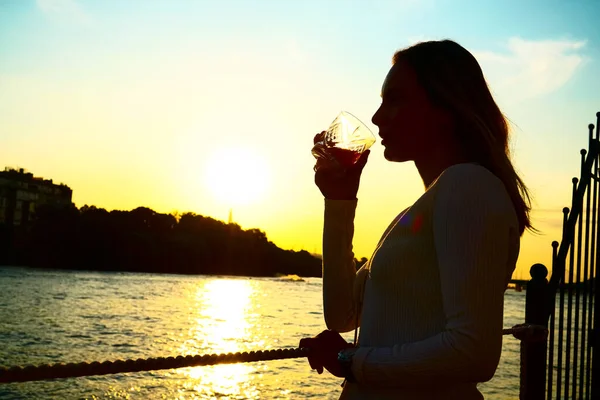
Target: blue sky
[{"x": 126, "y": 101}]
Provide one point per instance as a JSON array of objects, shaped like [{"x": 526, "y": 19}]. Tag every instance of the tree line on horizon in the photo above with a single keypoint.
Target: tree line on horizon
[{"x": 142, "y": 240}]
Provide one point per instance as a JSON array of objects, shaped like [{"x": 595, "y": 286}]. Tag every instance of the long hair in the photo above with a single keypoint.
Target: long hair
[{"x": 454, "y": 81}]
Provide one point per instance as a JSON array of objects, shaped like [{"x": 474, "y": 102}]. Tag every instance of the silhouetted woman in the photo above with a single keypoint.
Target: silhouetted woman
[{"x": 429, "y": 302}]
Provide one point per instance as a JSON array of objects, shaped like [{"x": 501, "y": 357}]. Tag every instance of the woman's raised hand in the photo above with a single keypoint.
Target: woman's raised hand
[{"x": 334, "y": 181}]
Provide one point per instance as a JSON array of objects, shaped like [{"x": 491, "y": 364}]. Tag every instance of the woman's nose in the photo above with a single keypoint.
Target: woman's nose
[{"x": 376, "y": 117}]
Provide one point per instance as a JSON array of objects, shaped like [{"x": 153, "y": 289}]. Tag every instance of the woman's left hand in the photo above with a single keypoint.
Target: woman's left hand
[{"x": 324, "y": 349}]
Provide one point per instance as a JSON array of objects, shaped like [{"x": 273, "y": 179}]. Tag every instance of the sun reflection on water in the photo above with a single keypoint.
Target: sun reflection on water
[{"x": 222, "y": 325}]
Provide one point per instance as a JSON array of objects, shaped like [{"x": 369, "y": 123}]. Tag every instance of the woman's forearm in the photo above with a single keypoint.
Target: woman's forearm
[{"x": 339, "y": 270}]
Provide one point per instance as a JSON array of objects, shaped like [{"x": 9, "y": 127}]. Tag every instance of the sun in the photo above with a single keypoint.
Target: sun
[{"x": 237, "y": 176}]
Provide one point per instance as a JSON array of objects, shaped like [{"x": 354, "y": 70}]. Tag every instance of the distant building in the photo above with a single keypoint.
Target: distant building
[{"x": 21, "y": 193}]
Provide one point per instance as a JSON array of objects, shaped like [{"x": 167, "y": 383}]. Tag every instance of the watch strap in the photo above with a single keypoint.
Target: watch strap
[{"x": 345, "y": 360}]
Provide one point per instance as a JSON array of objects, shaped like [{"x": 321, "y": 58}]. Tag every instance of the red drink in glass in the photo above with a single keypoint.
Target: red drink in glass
[
  {"x": 344, "y": 141},
  {"x": 345, "y": 157}
]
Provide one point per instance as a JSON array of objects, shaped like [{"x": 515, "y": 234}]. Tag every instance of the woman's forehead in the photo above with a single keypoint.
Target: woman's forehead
[{"x": 399, "y": 78}]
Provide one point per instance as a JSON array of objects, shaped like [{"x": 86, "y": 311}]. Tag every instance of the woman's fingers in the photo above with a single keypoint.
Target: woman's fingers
[
  {"x": 316, "y": 363},
  {"x": 314, "y": 359},
  {"x": 319, "y": 137},
  {"x": 323, "y": 164}
]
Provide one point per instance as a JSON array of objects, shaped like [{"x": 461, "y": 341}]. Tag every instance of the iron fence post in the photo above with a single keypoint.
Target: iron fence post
[{"x": 534, "y": 353}]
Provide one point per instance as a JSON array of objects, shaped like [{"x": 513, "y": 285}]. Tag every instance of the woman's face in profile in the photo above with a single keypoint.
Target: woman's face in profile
[{"x": 407, "y": 121}]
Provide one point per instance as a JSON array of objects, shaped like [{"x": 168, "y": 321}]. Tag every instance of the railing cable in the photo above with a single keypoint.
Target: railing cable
[{"x": 524, "y": 332}]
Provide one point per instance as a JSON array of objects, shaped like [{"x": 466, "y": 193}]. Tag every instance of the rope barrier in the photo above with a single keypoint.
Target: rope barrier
[
  {"x": 527, "y": 332},
  {"x": 53, "y": 371},
  {"x": 524, "y": 332}
]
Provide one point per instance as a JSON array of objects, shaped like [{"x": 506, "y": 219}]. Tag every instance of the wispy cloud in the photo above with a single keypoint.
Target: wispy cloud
[
  {"x": 530, "y": 68},
  {"x": 527, "y": 68},
  {"x": 69, "y": 11}
]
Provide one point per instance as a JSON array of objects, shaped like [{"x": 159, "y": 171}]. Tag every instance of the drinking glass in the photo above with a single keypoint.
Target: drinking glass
[{"x": 344, "y": 141}]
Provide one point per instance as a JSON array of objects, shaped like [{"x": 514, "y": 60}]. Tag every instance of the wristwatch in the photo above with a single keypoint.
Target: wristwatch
[{"x": 345, "y": 359}]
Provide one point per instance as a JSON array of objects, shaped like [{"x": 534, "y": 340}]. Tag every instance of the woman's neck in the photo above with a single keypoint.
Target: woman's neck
[{"x": 431, "y": 167}]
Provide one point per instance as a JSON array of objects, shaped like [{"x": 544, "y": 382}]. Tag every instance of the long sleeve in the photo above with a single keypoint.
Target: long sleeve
[
  {"x": 343, "y": 286},
  {"x": 339, "y": 270},
  {"x": 476, "y": 242}
]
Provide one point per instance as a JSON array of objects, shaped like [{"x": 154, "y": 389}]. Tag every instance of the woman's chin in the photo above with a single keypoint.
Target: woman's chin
[{"x": 390, "y": 155}]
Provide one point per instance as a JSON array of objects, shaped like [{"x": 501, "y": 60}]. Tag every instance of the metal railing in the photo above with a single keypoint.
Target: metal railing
[{"x": 563, "y": 366}]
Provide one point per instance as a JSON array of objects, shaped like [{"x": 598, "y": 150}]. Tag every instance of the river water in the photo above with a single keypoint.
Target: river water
[{"x": 49, "y": 316}]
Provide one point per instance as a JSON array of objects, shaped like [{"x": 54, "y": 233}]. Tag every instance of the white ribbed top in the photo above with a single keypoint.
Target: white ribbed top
[{"x": 432, "y": 312}]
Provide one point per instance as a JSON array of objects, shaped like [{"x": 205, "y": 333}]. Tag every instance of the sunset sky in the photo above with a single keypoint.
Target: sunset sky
[{"x": 205, "y": 106}]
